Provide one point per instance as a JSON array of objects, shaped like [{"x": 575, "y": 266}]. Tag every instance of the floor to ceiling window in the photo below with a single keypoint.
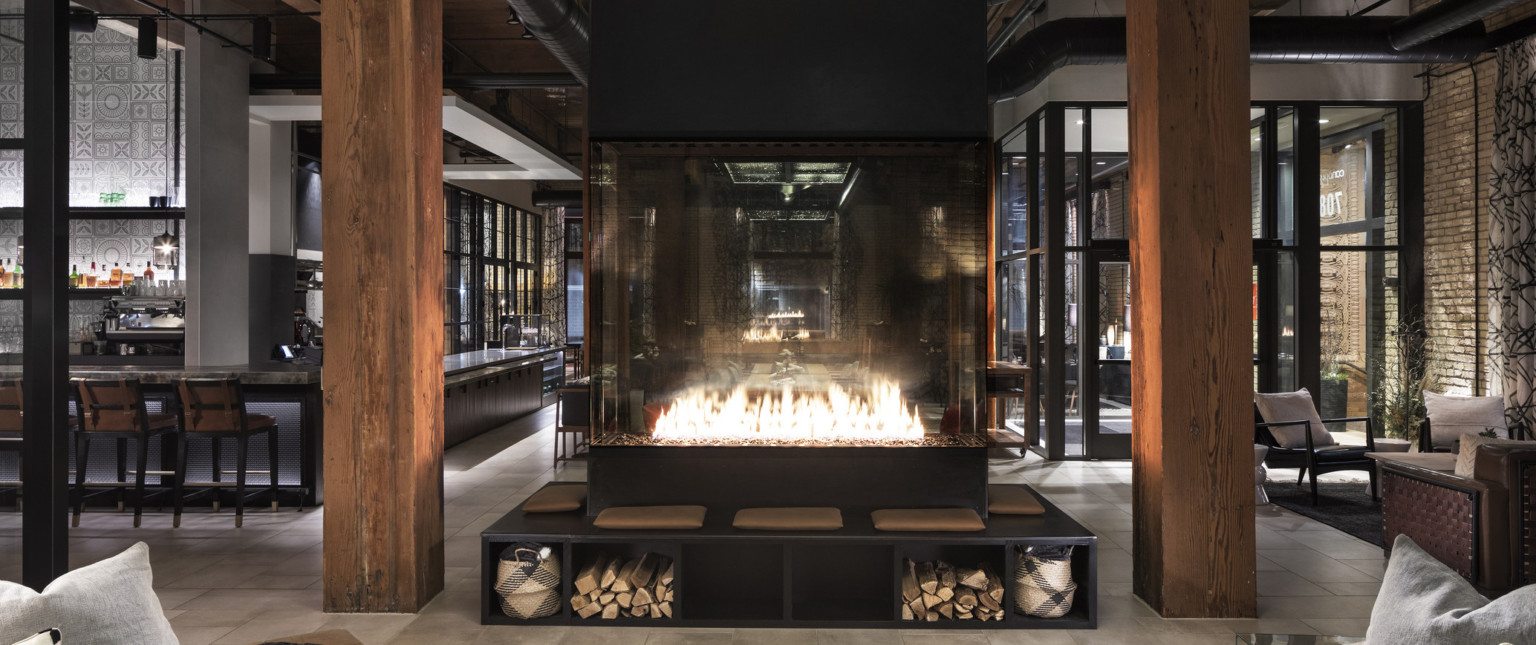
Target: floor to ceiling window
[
  {"x": 1329, "y": 280},
  {"x": 491, "y": 257}
]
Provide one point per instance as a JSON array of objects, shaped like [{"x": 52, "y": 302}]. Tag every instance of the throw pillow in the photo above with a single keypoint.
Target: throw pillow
[
  {"x": 1453, "y": 416},
  {"x": 107, "y": 603},
  {"x": 1293, "y": 406},
  {"x": 1466, "y": 460},
  {"x": 1423, "y": 602},
  {"x": 45, "y": 637}
]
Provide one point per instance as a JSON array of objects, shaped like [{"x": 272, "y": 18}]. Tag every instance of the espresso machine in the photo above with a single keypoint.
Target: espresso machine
[{"x": 144, "y": 326}]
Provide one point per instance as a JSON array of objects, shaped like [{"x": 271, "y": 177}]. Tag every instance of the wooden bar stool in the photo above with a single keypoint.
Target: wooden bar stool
[
  {"x": 114, "y": 409},
  {"x": 215, "y": 408}
]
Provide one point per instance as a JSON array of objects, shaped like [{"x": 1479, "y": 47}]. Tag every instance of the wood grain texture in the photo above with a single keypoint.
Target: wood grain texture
[
  {"x": 1192, "y": 464},
  {"x": 383, "y": 380}
]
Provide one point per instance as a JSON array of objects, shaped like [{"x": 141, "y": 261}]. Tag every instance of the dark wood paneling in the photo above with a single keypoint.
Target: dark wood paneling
[
  {"x": 383, "y": 251},
  {"x": 1192, "y": 464}
]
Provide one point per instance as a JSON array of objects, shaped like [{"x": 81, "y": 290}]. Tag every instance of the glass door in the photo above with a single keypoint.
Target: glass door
[{"x": 1105, "y": 331}]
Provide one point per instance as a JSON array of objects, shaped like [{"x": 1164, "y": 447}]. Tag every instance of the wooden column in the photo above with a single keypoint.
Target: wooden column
[
  {"x": 1192, "y": 464},
  {"x": 383, "y": 228}
]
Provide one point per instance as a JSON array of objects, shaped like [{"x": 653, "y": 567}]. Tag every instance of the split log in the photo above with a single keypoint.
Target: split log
[
  {"x": 596, "y": 593},
  {"x": 666, "y": 609},
  {"x": 644, "y": 570},
  {"x": 665, "y": 566},
  {"x": 906, "y": 612},
  {"x": 994, "y": 582},
  {"x": 963, "y": 615},
  {"x": 966, "y": 598},
  {"x": 643, "y": 596},
  {"x": 591, "y": 575},
  {"x": 973, "y": 578},
  {"x": 918, "y": 609},
  {"x": 986, "y": 600},
  {"x": 621, "y": 581},
  {"x": 909, "y": 589},
  {"x": 929, "y": 600},
  {"x": 946, "y": 609},
  {"x": 927, "y": 579},
  {"x": 640, "y": 611},
  {"x": 578, "y": 601},
  {"x": 932, "y": 617},
  {"x": 945, "y": 593},
  {"x": 606, "y": 598},
  {"x": 610, "y": 572},
  {"x": 626, "y": 599},
  {"x": 611, "y": 612},
  {"x": 946, "y": 575},
  {"x": 589, "y": 611}
]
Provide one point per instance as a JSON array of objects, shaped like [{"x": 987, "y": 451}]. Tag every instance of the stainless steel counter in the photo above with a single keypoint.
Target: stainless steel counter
[
  {"x": 258, "y": 374},
  {"x": 454, "y": 364}
]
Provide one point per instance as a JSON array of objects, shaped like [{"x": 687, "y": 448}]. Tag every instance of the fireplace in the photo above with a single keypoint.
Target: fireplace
[{"x": 771, "y": 296}]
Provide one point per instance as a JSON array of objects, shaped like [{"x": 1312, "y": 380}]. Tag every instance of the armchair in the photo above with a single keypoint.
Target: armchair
[{"x": 1313, "y": 459}]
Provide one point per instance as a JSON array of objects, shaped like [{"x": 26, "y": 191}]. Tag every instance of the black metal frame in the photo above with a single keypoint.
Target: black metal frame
[
  {"x": 464, "y": 214},
  {"x": 1307, "y": 458},
  {"x": 1045, "y": 255}
]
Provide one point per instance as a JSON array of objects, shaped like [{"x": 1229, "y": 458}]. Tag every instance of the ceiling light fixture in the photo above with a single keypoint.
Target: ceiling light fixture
[
  {"x": 512, "y": 18},
  {"x": 1322, "y": 120},
  {"x": 149, "y": 49},
  {"x": 527, "y": 33},
  {"x": 167, "y": 249},
  {"x": 82, "y": 21}
]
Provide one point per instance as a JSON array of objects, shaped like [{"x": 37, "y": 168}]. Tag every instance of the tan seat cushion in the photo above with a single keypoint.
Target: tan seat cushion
[
  {"x": 650, "y": 517},
  {"x": 789, "y": 519},
  {"x": 328, "y": 637},
  {"x": 927, "y": 519},
  {"x": 1012, "y": 500},
  {"x": 556, "y": 499}
]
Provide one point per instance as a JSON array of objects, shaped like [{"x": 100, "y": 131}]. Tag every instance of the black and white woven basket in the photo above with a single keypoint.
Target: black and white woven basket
[
  {"x": 1042, "y": 581},
  {"x": 528, "y": 581}
]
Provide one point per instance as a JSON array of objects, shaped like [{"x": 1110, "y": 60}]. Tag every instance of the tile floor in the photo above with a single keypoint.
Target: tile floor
[{"x": 220, "y": 585}]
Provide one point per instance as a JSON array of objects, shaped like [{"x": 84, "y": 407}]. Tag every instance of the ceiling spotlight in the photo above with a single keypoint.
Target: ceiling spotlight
[
  {"x": 512, "y": 18},
  {"x": 527, "y": 33},
  {"x": 149, "y": 49},
  {"x": 82, "y": 21},
  {"x": 1079, "y": 121},
  {"x": 1322, "y": 120}
]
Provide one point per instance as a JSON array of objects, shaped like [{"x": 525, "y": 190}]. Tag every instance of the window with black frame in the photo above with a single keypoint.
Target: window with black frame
[{"x": 491, "y": 260}]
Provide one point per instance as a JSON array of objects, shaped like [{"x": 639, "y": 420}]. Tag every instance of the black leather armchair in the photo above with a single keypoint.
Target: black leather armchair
[{"x": 1314, "y": 459}]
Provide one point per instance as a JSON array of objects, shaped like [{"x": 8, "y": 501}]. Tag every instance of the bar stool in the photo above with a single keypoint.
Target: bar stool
[
  {"x": 215, "y": 408},
  {"x": 114, "y": 409}
]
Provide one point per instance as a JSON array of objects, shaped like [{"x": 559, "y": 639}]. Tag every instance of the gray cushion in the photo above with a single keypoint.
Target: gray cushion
[
  {"x": 1453, "y": 416},
  {"x": 107, "y": 603},
  {"x": 1292, "y": 406},
  {"x": 1423, "y": 602},
  {"x": 1466, "y": 458}
]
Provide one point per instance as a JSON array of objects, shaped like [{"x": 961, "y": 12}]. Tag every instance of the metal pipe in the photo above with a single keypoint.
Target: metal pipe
[
  {"x": 1005, "y": 35},
  {"x": 1441, "y": 19},
  {"x": 458, "y": 81},
  {"x": 563, "y": 27},
  {"x": 557, "y": 198}
]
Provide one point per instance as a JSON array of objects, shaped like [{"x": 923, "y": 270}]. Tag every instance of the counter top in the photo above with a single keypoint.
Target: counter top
[
  {"x": 273, "y": 373},
  {"x": 457, "y": 363}
]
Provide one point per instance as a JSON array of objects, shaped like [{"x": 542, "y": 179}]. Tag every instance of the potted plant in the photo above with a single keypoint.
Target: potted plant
[{"x": 1406, "y": 373}]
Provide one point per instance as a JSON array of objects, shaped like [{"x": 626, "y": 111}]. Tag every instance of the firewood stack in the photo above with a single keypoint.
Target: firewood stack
[
  {"x": 934, "y": 590},
  {"x": 616, "y": 586}
]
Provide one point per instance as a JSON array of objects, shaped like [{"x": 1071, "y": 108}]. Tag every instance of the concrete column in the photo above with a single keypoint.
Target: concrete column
[
  {"x": 217, "y": 237},
  {"x": 272, "y": 267}
]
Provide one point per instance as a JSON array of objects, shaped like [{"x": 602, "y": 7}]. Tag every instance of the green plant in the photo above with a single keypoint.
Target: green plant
[
  {"x": 1489, "y": 433},
  {"x": 1332, "y": 342},
  {"x": 1404, "y": 375}
]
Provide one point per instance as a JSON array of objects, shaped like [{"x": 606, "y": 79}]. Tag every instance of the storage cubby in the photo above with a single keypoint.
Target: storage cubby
[
  {"x": 585, "y": 552},
  {"x": 733, "y": 581},
  {"x": 991, "y": 558},
  {"x": 1084, "y": 569},
  {"x": 840, "y": 582},
  {"x": 492, "y": 602}
]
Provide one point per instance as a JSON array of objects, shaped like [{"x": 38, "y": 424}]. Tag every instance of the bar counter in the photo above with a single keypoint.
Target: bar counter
[{"x": 485, "y": 389}]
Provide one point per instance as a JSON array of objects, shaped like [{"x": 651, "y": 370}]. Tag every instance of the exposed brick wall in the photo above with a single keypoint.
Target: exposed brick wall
[{"x": 1458, "y": 126}]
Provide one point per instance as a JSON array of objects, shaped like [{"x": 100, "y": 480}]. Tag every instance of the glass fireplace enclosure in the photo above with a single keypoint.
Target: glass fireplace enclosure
[
  {"x": 788, "y": 270},
  {"x": 1336, "y": 217}
]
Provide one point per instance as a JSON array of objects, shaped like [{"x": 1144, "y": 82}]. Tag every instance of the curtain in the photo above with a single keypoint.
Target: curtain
[{"x": 1512, "y": 233}]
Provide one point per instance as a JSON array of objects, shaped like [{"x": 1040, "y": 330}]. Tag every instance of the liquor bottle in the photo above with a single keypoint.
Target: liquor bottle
[
  {"x": 74, "y": 276},
  {"x": 5, "y": 275},
  {"x": 149, "y": 272},
  {"x": 116, "y": 279},
  {"x": 90, "y": 278},
  {"x": 20, "y": 278}
]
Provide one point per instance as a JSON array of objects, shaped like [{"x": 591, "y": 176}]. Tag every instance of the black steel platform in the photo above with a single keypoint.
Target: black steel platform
[{"x": 850, "y": 578}]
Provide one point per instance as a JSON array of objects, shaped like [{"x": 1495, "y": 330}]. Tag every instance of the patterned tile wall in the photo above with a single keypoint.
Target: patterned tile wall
[{"x": 121, "y": 119}]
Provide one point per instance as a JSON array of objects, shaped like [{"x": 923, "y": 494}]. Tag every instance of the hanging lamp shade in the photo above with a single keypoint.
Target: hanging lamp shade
[{"x": 167, "y": 250}]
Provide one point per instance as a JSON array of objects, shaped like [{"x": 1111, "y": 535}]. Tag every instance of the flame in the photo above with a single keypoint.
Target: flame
[
  {"x": 796, "y": 313},
  {"x": 836, "y": 415},
  {"x": 771, "y": 335}
]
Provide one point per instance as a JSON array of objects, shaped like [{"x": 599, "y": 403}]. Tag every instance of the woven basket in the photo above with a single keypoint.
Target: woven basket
[
  {"x": 1043, "y": 585},
  {"x": 528, "y": 581}
]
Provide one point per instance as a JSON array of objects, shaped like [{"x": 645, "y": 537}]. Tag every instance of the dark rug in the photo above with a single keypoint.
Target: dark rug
[{"x": 1345, "y": 506}]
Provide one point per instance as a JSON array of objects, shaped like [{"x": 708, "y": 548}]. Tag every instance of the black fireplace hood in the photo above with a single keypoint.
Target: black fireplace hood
[
  {"x": 745, "y": 70},
  {"x": 1272, "y": 39}
]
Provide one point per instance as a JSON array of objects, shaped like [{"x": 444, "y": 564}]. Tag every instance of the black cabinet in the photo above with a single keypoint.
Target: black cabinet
[{"x": 489, "y": 399}]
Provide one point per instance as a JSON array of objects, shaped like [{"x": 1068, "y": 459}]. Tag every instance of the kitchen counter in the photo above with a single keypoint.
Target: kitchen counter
[
  {"x": 272, "y": 373},
  {"x": 454, "y": 364},
  {"x": 484, "y": 390}
]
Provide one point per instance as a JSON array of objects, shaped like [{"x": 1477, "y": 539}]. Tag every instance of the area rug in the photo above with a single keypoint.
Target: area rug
[{"x": 1345, "y": 506}]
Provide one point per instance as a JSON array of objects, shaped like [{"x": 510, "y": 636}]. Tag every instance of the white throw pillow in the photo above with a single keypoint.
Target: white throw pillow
[
  {"x": 1425, "y": 603},
  {"x": 111, "y": 602},
  {"x": 1453, "y": 416},
  {"x": 1466, "y": 460},
  {"x": 1292, "y": 406},
  {"x": 45, "y": 637}
]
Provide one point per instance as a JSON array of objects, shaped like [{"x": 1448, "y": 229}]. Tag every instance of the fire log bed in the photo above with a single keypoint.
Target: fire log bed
[{"x": 849, "y": 578}]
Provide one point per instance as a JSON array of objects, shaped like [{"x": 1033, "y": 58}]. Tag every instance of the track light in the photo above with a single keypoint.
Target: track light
[
  {"x": 527, "y": 33},
  {"x": 512, "y": 18},
  {"x": 82, "y": 21},
  {"x": 261, "y": 38},
  {"x": 149, "y": 49}
]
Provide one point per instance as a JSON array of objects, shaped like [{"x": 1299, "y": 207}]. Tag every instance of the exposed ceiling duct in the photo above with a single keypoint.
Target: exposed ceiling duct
[
  {"x": 563, "y": 27},
  {"x": 485, "y": 81},
  {"x": 1443, "y": 18},
  {"x": 1272, "y": 39}
]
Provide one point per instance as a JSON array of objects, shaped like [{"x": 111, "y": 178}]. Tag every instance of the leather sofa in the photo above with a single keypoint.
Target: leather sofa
[{"x": 1483, "y": 527}]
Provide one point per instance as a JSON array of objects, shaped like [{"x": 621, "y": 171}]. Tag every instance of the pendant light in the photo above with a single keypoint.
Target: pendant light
[{"x": 167, "y": 249}]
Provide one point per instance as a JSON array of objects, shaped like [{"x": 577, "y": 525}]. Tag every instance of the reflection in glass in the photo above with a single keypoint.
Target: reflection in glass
[
  {"x": 1356, "y": 309},
  {"x": 1285, "y": 176},
  {"x": 1114, "y": 347},
  {"x": 1072, "y": 121},
  {"x": 1111, "y": 175},
  {"x": 1071, "y": 366},
  {"x": 1356, "y": 206}
]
